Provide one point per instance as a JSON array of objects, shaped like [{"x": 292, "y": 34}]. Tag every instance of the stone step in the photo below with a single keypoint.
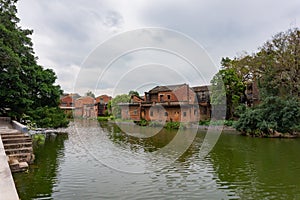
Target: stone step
[
  {"x": 16, "y": 166},
  {"x": 22, "y": 157},
  {"x": 19, "y": 150},
  {"x": 9, "y": 131},
  {"x": 4, "y": 134},
  {"x": 16, "y": 140},
  {"x": 17, "y": 145},
  {"x": 13, "y": 136}
]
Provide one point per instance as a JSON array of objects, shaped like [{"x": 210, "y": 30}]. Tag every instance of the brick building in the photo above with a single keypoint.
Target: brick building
[
  {"x": 85, "y": 107},
  {"x": 177, "y": 103},
  {"x": 101, "y": 104},
  {"x": 67, "y": 102}
]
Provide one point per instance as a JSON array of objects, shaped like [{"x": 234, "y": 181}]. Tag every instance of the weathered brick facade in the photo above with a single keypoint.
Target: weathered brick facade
[
  {"x": 178, "y": 103},
  {"x": 85, "y": 107},
  {"x": 101, "y": 104}
]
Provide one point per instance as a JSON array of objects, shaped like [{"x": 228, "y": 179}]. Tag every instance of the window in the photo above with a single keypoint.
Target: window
[
  {"x": 161, "y": 97},
  {"x": 135, "y": 112},
  {"x": 184, "y": 114},
  {"x": 169, "y": 97},
  {"x": 166, "y": 113},
  {"x": 151, "y": 113}
]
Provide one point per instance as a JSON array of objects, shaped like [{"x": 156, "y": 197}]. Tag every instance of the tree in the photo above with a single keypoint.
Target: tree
[
  {"x": 116, "y": 110},
  {"x": 131, "y": 93},
  {"x": 227, "y": 80},
  {"x": 273, "y": 114},
  {"x": 276, "y": 68},
  {"x": 279, "y": 65},
  {"x": 90, "y": 94},
  {"x": 25, "y": 86}
]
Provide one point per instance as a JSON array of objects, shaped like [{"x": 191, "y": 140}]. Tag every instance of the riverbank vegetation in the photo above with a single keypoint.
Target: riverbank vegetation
[
  {"x": 27, "y": 89},
  {"x": 275, "y": 69}
]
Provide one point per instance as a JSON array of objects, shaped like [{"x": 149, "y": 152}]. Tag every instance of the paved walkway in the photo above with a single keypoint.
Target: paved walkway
[{"x": 7, "y": 186}]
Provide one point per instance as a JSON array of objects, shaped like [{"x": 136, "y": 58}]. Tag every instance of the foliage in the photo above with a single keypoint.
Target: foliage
[
  {"x": 275, "y": 67},
  {"x": 279, "y": 65},
  {"x": 273, "y": 114},
  {"x": 216, "y": 122},
  {"x": 131, "y": 93},
  {"x": 172, "y": 125},
  {"x": 227, "y": 85},
  {"x": 103, "y": 119},
  {"x": 143, "y": 122},
  {"x": 39, "y": 139},
  {"x": 204, "y": 122},
  {"x": 25, "y": 85},
  {"x": 90, "y": 94},
  {"x": 116, "y": 110},
  {"x": 45, "y": 117}
]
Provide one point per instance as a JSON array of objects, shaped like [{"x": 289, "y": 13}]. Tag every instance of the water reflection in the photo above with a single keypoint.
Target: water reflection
[
  {"x": 39, "y": 181},
  {"x": 237, "y": 168},
  {"x": 258, "y": 168}
]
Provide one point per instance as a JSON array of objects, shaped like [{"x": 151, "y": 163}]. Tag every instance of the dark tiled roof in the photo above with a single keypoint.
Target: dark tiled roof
[
  {"x": 165, "y": 88},
  {"x": 201, "y": 88}
]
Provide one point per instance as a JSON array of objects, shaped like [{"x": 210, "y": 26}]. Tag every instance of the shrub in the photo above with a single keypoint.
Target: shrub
[
  {"x": 273, "y": 114},
  {"x": 172, "y": 125},
  {"x": 48, "y": 117},
  {"x": 103, "y": 119}
]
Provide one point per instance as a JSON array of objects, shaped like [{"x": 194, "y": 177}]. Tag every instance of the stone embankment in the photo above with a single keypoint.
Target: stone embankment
[
  {"x": 7, "y": 186},
  {"x": 17, "y": 146}
]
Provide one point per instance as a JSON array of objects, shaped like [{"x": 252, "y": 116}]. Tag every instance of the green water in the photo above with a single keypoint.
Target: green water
[{"x": 99, "y": 163}]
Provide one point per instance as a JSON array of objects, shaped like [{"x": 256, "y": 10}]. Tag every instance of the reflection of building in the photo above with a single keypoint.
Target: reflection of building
[
  {"x": 101, "y": 104},
  {"x": 84, "y": 107},
  {"x": 67, "y": 102},
  {"x": 169, "y": 103}
]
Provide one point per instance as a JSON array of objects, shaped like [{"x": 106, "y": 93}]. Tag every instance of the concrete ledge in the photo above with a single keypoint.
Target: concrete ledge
[
  {"x": 8, "y": 189},
  {"x": 20, "y": 127}
]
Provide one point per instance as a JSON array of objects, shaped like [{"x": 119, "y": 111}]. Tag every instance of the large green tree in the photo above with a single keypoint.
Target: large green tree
[
  {"x": 25, "y": 86},
  {"x": 226, "y": 85},
  {"x": 276, "y": 69}
]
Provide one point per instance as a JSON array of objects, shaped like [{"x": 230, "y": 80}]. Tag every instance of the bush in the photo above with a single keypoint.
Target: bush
[
  {"x": 273, "y": 114},
  {"x": 48, "y": 117},
  {"x": 103, "y": 119},
  {"x": 172, "y": 125},
  {"x": 204, "y": 123}
]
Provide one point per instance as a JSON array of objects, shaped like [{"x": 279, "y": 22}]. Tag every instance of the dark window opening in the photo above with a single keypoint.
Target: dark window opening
[
  {"x": 161, "y": 97},
  {"x": 166, "y": 113},
  {"x": 184, "y": 114}
]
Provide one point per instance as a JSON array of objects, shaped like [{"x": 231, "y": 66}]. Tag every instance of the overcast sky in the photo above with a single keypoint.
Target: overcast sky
[{"x": 66, "y": 33}]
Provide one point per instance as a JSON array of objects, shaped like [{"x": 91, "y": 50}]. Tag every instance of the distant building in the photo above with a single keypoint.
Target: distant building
[
  {"x": 67, "y": 103},
  {"x": 178, "y": 103},
  {"x": 85, "y": 107},
  {"x": 101, "y": 104},
  {"x": 252, "y": 94},
  {"x": 203, "y": 100}
]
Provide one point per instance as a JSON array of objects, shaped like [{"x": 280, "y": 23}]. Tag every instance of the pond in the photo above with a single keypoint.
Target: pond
[{"x": 103, "y": 162}]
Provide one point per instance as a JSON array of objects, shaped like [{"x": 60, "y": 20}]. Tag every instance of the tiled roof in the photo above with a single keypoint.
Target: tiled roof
[{"x": 165, "y": 88}]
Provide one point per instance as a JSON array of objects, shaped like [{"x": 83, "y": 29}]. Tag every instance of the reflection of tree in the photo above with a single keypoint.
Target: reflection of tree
[
  {"x": 144, "y": 140},
  {"x": 255, "y": 168},
  {"x": 151, "y": 139},
  {"x": 39, "y": 181}
]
